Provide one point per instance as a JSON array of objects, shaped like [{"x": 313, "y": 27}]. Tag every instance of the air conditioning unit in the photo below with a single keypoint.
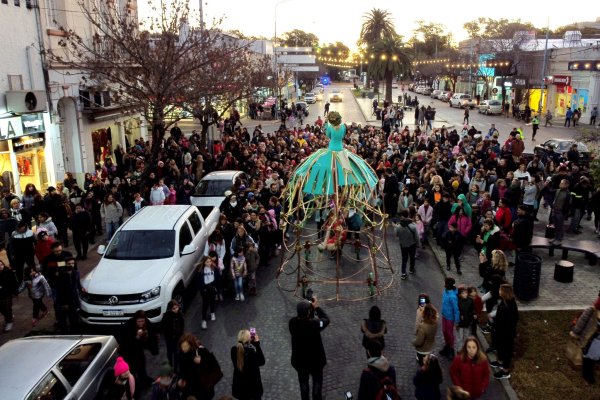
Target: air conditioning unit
[{"x": 26, "y": 101}]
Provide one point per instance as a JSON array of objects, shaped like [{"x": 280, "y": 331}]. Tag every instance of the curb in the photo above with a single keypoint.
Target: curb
[
  {"x": 361, "y": 110},
  {"x": 510, "y": 393}
]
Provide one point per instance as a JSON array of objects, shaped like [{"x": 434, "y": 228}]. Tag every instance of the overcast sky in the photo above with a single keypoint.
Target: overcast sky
[{"x": 340, "y": 20}]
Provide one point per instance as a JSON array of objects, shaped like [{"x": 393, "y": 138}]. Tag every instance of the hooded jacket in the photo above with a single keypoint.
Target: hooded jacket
[
  {"x": 465, "y": 204},
  {"x": 377, "y": 368},
  {"x": 407, "y": 233}
]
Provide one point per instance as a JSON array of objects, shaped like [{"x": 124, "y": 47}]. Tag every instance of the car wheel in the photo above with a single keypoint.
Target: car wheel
[{"x": 178, "y": 294}]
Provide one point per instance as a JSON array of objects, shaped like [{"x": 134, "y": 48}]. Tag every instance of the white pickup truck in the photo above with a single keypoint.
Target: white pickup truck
[{"x": 149, "y": 261}]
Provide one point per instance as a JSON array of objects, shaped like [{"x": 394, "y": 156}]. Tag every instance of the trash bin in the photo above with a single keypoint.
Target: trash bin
[
  {"x": 526, "y": 283},
  {"x": 563, "y": 271}
]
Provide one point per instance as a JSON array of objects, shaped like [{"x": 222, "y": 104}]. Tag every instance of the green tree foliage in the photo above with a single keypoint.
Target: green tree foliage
[
  {"x": 299, "y": 38},
  {"x": 377, "y": 24},
  {"x": 391, "y": 59},
  {"x": 430, "y": 39}
]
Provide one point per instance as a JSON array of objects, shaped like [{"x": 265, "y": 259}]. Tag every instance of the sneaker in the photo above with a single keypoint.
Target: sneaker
[
  {"x": 212, "y": 316},
  {"x": 404, "y": 276},
  {"x": 495, "y": 364},
  {"x": 204, "y": 326},
  {"x": 412, "y": 271},
  {"x": 8, "y": 327},
  {"x": 502, "y": 375},
  {"x": 237, "y": 296},
  {"x": 242, "y": 297}
]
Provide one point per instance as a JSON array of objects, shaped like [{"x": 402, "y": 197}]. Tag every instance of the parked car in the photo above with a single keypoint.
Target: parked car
[
  {"x": 303, "y": 106},
  {"x": 445, "y": 96},
  {"x": 490, "y": 107},
  {"x": 435, "y": 93},
  {"x": 57, "y": 367},
  {"x": 426, "y": 91},
  {"x": 336, "y": 95},
  {"x": 310, "y": 98},
  {"x": 411, "y": 87},
  {"x": 210, "y": 191},
  {"x": 394, "y": 84},
  {"x": 561, "y": 146},
  {"x": 149, "y": 261},
  {"x": 462, "y": 100}
]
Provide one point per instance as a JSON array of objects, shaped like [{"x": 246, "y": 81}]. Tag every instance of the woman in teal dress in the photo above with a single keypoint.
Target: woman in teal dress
[{"x": 326, "y": 169}]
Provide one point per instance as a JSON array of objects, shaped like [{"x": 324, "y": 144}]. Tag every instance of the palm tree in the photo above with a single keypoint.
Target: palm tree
[
  {"x": 376, "y": 26},
  {"x": 390, "y": 60}
]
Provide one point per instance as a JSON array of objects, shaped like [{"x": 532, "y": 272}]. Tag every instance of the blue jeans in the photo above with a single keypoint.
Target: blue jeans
[
  {"x": 239, "y": 284},
  {"x": 111, "y": 228}
]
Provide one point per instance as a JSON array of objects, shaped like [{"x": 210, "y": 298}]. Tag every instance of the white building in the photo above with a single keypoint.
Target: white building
[
  {"x": 87, "y": 124},
  {"x": 25, "y": 136}
]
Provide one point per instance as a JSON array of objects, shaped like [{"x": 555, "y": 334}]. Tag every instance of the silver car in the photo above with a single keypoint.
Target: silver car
[{"x": 57, "y": 367}]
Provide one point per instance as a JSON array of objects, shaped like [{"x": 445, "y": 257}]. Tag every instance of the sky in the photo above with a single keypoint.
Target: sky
[{"x": 340, "y": 20}]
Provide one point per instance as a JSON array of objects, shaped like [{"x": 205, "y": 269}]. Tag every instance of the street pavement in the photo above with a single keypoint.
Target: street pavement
[{"x": 270, "y": 311}]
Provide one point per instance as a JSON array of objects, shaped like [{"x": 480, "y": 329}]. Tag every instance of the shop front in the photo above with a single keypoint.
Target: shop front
[
  {"x": 22, "y": 152},
  {"x": 562, "y": 95}
]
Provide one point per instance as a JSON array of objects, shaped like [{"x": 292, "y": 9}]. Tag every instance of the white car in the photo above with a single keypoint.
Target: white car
[
  {"x": 336, "y": 95},
  {"x": 57, "y": 367},
  {"x": 148, "y": 262},
  {"x": 310, "y": 98},
  {"x": 462, "y": 100},
  {"x": 490, "y": 107},
  {"x": 210, "y": 191}
]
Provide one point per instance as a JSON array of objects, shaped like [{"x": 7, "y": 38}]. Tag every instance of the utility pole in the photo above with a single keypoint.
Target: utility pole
[
  {"x": 541, "y": 103},
  {"x": 201, "y": 16}
]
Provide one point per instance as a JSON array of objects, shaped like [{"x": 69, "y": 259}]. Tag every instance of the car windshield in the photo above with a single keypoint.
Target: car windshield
[
  {"x": 141, "y": 245},
  {"x": 211, "y": 188}
]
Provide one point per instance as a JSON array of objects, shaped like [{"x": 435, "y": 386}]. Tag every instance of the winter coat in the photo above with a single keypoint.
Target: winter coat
[
  {"x": 247, "y": 384},
  {"x": 67, "y": 289},
  {"x": 425, "y": 387},
  {"x": 463, "y": 223},
  {"x": 373, "y": 330},
  {"x": 466, "y": 311},
  {"x": 307, "y": 347},
  {"x": 111, "y": 213},
  {"x": 453, "y": 242},
  {"x": 505, "y": 322},
  {"x": 81, "y": 223},
  {"x": 173, "y": 325},
  {"x": 252, "y": 259},
  {"x": 586, "y": 326},
  {"x": 21, "y": 245},
  {"x": 474, "y": 377},
  {"x": 450, "y": 305},
  {"x": 43, "y": 248},
  {"x": 39, "y": 287},
  {"x": 8, "y": 283},
  {"x": 425, "y": 214},
  {"x": 190, "y": 372},
  {"x": 407, "y": 233},
  {"x": 377, "y": 369},
  {"x": 424, "y": 340},
  {"x": 522, "y": 231},
  {"x": 49, "y": 226},
  {"x": 465, "y": 204},
  {"x": 157, "y": 196}
]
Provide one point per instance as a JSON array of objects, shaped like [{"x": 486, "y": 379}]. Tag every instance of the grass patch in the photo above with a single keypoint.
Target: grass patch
[{"x": 541, "y": 369}]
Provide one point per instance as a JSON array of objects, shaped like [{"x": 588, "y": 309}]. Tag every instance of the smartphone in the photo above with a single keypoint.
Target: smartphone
[
  {"x": 407, "y": 181},
  {"x": 252, "y": 333},
  {"x": 422, "y": 301}
]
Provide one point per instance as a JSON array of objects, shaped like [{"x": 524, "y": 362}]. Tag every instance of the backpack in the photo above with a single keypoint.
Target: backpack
[{"x": 387, "y": 389}]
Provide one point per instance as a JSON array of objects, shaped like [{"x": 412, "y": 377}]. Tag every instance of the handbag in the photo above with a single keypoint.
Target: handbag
[
  {"x": 574, "y": 354},
  {"x": 212, "y": 374}
]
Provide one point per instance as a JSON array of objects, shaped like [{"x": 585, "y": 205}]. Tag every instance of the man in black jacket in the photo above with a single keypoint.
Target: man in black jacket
[
  {"x": 522, "y": 229},
  {"x": 83, "y": 228},
  {"x": 391, "y": 191},
  {"x": 379, "y": 371},
  {"x": 308, "y": 353}
]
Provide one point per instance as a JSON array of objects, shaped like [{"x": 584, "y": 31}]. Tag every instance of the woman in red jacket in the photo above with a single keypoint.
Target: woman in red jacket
[
  {"x": 503, "y": 216},
  {"x": 463, "y": 222},
  {"x": 470, "y": 369}
]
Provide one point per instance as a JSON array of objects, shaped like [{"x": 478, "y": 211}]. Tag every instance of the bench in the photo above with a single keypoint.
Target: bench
[{"x": 590, "y": 248}]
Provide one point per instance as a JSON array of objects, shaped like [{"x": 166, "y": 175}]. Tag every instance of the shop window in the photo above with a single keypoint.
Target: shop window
[{"x": 102, "y": 144}]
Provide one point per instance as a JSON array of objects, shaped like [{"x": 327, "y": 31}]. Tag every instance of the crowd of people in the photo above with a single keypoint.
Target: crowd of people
[{"x": 458, "y": 188}]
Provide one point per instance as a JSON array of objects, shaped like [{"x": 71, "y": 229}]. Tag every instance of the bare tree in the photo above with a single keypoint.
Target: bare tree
[{"x": 156, "y": 66}]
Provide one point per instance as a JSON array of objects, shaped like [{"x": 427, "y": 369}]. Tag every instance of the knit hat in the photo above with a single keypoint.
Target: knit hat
[
  {"x": 165, "y": 369},
  {"x": 120, "y": 366}
]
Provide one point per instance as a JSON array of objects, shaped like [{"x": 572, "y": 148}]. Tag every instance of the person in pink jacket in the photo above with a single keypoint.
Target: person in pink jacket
[{"x": 463, "y": 223}]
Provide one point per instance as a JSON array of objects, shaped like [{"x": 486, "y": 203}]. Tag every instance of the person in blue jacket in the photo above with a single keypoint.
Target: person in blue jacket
[{"x": 450, "y": 316}]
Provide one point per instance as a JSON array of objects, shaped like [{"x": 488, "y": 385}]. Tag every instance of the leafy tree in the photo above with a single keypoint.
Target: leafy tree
[
  {"x": 159, "y": 70},
  {"x": 430, "y": 39},
  {"x": 299, "y": 38},
  {"x": 376, "y": 26},
  {"x": 390, "y": 60}
]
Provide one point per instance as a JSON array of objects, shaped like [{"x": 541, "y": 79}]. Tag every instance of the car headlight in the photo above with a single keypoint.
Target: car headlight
[{"x": 150, "y": 294}]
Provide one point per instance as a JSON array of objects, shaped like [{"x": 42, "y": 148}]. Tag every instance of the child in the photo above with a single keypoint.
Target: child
[
  {"x": 239, "y": 270},
  {"x": 165, "y": 386},
  {"x": 477, "y": 309},
  {"x": 38, "y": 288},
  {"x": 209, "y": 275},
  {"x": 450, "y": 316},
  {"x": 252, "y": 259},
  {"x": 218, "y": 261},
  {"x": 452, "y": 242},
  {"x": 465, "y": 309},
  {"x": 420, "y": 227}
]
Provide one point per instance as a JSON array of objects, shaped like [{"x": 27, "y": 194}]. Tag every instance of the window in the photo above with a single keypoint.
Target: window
[
  {"x": 4, "y": 1},
  {"x": 49, "y": 388},
  {"x": 141, "y": 245},
  {"x": 18, "y": 3},
  {"x": 213, "y": 187},
  {"x": 195, "y": 223},
  {"x": 77, "y": 361},
  {"x": 185, "y": 237}
]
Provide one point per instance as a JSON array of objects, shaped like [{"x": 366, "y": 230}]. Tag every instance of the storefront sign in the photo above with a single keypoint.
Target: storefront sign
[
  {"x": 27, "y": 124},
  {"x": 520, "y": 81},
  {"x": 27, "y": 142},
  {"x": 561, "y": 80}
]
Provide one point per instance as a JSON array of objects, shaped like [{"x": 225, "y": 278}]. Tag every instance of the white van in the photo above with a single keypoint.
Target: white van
[
  {"x": 210, "y": 191},
  {"x": 149, "y": 261}
]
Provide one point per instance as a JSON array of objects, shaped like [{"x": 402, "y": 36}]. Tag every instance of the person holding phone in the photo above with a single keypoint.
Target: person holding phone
[
  {"x": 247, "y": 358},
  {"x": 424, "y": 341}
]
